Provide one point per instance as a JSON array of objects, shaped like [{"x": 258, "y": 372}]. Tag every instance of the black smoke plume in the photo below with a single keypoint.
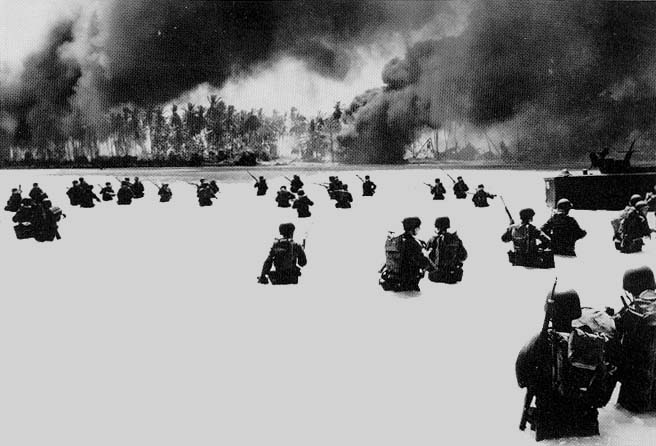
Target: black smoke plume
[
  {"x": 38, "y": 102},
  {"x": 560, "y": 78},
  {"x": 148, "y": 52}
]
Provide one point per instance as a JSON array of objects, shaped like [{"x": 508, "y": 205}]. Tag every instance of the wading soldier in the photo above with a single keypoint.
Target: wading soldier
[
  {"x": 302, "y": 205},
  {"x": 286, "y": 256},
  {"x": 368, "y": 187},
  {"x": 295, "y": 184},
  {"x": 438, "y": 190},
  {"x": 530, "y": 245},
  {"x": 284, "y": 197},
  {"x": 480, "y": 197},
  {"x": 460, "y": 189},
  {"x": 14, "y": 202},
  {"x": 563, "y": 230},
  {"x": 261, "y": 186},
  {"x": 164, "y": 193},
  {"x": 107, "y": 193},
  {"x": 124, "y": 195}
]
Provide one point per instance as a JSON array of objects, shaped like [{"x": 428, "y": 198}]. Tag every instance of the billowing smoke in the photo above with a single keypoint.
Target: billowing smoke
[
  {"x": 148, "y": 52},
  {"x": 34, "y": 105},
  {"x": 560, "y": 78}
]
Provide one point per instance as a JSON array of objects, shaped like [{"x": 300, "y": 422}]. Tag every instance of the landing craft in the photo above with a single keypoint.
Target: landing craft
[{"x": 609, "y": 190}]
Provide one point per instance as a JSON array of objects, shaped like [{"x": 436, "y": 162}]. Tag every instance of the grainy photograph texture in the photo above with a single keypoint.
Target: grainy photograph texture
[{"x": 327, "y": 222}]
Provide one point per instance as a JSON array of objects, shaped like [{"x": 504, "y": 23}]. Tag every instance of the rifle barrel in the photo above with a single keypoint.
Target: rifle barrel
[
  {"x": 512, "y": 220},
  {"x": 547, "y": 310}
]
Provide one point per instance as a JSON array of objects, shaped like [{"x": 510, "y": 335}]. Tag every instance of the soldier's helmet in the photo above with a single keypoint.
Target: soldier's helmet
[
  {"x": 27, "y": 202},
  {"x": 634, "y": 199},
  {"x": 345, "y": 186},
  {"x": 637, "y": 280},
  {"x": 460, "y": 178},
  {"x": 75, "y": 182},
  {"x": 641, "y": 204},
  {"x": 261, "y": 178},
  {"x": 287, "y": 230},
  {"x": 35, "y": 185},
  {"x": 300, "y": 192},
  {"x": 108, "y": 184},
  {"x": 526, "y": 214},
  {"x": 366, "y": 177},
  {"x": 565, "y": 307},
  {"x": 411, "y": 223},
  {"x": 480, "y": 186},
  {"x": 442, "y": 223},
  {"x": 564, "y": 204}
]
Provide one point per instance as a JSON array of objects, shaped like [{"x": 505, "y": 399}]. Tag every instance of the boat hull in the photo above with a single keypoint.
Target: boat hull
[{"x": 598, "y": 192}]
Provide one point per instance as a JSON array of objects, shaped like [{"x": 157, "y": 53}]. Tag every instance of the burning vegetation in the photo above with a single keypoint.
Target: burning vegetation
[{"x": 560, "y": 79}]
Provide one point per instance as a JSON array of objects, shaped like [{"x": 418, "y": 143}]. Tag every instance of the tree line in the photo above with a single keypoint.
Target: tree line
[{"x": 190, "y": 135}]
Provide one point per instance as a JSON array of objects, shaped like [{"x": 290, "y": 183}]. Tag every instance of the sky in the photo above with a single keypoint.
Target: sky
[{"x": 24, "y": 25}]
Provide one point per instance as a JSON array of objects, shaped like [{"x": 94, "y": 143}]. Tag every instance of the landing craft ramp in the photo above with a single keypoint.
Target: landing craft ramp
[{"x": 598, "y": 191}]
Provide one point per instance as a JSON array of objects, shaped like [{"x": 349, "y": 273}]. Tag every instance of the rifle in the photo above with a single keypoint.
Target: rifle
[
  {"x": 512, "y": 220},
  {"x": 359, "y": 177},
  {"x": 447, "y": 174},
  {"x": 530, "y": 393},
  {"x": 322, "y": 184},
  {"x": 252, "y": 176},
  {"x": 287, "y": 178},
  {"x": 20, "y": 188},
  {"x": 429, "y": 185}
]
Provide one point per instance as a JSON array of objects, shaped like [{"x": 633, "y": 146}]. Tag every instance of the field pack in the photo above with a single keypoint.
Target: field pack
[
  {"x": 393, "y": 254},
  {"x": 284, "y": 256},
  {"x": 391, "y": 270},
  {"x": 582, "y": 372}
]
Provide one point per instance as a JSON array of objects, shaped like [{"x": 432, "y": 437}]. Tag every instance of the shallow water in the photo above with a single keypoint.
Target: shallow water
[{"x": 144, "y": 324}]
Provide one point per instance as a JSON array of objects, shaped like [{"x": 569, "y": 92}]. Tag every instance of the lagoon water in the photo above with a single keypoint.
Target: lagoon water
[{"x": 145, "y": 324}]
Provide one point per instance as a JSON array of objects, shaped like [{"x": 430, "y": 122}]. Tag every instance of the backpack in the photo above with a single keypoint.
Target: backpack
[
  {"x": 522, "y": 240},
  {"x": 638, "y": 347},
  {"x": 449, "y": 260},
  {"x": 56, "y": 213},
  {"x": 393, "y": 246},
  {"x": 453, "y": 251},
  {"x": 284, "y": 257},
  {"x": 390, "y": 278},
  {"x": 582, "y": 371}
]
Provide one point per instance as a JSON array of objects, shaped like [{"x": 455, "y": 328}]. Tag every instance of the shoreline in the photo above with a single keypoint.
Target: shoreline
[{"x": 309, "y": 166}]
